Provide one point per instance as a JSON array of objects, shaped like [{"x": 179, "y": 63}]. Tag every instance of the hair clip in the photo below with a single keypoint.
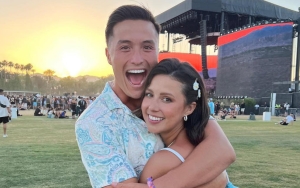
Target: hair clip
[{"x": 196, "y": 87}]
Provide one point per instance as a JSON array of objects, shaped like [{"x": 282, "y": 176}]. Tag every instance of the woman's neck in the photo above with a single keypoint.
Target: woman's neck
[{"x": 170, "y": 138}]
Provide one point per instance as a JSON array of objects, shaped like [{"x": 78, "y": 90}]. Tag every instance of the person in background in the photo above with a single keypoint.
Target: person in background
[
  {"x": 287, "y": 120},
  {"x": 73, "y": 107},
  {"x": 211, "y": 106},
  {"x": 217, "y": 108},
  {"x": 38, "y": 112},
  {"x": 252, "y": 116},
  {"x": 5, "y": 112},
  {"x": 243, "y": 107},
  {"x": 50, "y": 113},
  {"x": 63, "y": 115},
  {"x": 256, "y": 106}
]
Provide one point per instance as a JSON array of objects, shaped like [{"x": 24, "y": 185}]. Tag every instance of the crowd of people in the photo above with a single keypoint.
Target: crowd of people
[
  {"x": 220, "y": 111},
  {"x": 47, "y": 105}
]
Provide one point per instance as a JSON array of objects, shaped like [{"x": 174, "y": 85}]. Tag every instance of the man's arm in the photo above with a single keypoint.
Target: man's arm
[
  {"x": 206, "y": 162},
  {"x": 8, "y": 110},
  {"x": 101, "y": 152},
  {"x": 204, "y": 166}
]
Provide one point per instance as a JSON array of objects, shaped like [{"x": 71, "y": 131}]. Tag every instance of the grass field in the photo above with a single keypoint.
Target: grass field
[{"x": 42, "y": 152}]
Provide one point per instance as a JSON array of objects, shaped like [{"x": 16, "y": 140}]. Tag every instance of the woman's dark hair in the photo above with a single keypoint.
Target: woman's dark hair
[
  {"x": 186, "y": 74},
  {"x": 128, "y": 12}
]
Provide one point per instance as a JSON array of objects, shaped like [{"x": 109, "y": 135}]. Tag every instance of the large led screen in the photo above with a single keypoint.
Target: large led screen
[{"x": 251, "y": 60}]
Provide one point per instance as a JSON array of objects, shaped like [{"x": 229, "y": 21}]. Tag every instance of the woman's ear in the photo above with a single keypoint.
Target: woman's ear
[{"x": 190, "y": 108}]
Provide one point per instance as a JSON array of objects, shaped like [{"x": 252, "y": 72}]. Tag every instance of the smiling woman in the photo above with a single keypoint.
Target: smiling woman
[{"x": 72, "y": 62}]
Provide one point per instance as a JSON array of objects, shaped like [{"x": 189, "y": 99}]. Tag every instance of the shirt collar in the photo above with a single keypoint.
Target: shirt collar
[{"x": 112, "y": 100}]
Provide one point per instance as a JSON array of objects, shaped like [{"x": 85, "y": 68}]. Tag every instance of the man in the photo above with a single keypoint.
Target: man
[
  {"x": 81, "y": 104},
  {"x": 113, "y": 141},
  {"x": 38, "y": 112},
  {"x": 63, "y": 115},
  {"x": 4, "y": 112},
  {"x": 211, "y": 105},
  {"x": 243, "y": 107},
  {"x": 256, "y": 106},
  {"x": 289, "y": 119}
]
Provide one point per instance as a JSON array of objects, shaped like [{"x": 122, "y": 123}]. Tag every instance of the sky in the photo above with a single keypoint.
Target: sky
[{"x": 67, "y": 36}]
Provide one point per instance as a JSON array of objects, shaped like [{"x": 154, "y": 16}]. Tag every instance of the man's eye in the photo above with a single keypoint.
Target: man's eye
[
  {"x": 125, "y": 48},
  {"x": 148, "y": 47}
]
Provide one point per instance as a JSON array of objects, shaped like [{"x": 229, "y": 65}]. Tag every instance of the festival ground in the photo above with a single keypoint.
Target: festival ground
[{"x": 41, "y": 152}]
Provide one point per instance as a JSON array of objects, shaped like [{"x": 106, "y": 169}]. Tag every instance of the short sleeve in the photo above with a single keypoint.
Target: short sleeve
[
  {"x": 7, "y": 103},
  {"x": 102, "y": 152}
]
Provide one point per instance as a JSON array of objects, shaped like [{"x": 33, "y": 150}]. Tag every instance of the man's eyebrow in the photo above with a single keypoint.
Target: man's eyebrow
[
  {"x": 124, "y": 41},
  {"x": 149, "y": 41}
]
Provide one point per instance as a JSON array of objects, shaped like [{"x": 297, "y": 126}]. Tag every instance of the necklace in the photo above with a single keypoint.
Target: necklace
[
  {"x": 171, "y": 143},
  {"x": 174, "y": 139}
]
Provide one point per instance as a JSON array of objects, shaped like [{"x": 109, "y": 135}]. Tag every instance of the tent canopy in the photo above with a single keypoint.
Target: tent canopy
[{"x": 247, "y": 7}]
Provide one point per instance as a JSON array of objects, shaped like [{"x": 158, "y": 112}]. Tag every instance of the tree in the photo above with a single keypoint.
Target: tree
[
  {"x": 28, "y": 83},
  {"x": 28, "y": 67},
  {"x": 33, "y": 71},
  {"x": 39, "y": 83},
  {"x": 67, "y": 84},
  {"x": 17, "y": 67},
  {"x": 1, "y": 66},
  {"x": 22, "y": 68},
  {"x": 4, "y": 64},
  {"x": 11, "y": 65},
  {"x": 49, "y": 74}
]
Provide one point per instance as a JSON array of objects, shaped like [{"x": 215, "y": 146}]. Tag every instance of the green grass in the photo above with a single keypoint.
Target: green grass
[{"x": 42, "y": 152}]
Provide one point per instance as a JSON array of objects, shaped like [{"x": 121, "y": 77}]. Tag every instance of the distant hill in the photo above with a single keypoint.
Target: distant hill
[{"x": 87, "y": 77}]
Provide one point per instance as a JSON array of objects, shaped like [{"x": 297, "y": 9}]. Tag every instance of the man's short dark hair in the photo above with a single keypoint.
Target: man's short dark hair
[
  {"x": 1, "y": 90},
  {"x": 129, "y": 12}
]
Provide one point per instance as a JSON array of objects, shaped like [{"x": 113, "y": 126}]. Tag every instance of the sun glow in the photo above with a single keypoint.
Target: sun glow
[{"x": 72, "y": 62}]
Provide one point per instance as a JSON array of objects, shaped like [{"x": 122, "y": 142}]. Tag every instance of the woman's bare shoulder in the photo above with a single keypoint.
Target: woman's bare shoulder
[{"x": 159, "y": 164}]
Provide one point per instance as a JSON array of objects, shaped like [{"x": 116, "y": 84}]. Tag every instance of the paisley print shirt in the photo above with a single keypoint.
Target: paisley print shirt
[{"x": 114, "y": 143}]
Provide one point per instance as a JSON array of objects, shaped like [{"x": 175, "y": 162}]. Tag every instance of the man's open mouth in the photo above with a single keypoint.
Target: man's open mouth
[{"x": 136, "y": 77}]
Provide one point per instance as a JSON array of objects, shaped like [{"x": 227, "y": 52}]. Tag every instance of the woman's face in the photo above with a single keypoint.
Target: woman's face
[{"x": 164, "y": 105}]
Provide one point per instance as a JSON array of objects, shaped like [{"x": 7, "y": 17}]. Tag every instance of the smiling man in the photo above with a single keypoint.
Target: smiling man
[{"x": 113, "y": 140}]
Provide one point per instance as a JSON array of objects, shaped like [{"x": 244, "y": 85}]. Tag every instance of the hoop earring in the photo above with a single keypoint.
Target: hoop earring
[{"x": 185, "y": 118}]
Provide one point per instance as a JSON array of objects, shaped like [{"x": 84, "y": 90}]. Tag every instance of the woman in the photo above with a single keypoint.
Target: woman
[{"x": 176, "y": 109}]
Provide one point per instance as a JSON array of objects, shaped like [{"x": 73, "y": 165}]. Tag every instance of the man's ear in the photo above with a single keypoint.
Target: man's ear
[
  {"x": 107, "y": 55},
  {"x": 190, "y": 108}
]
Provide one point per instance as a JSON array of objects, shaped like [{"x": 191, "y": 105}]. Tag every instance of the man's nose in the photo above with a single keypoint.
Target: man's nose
[{"x": 137, "y": 57}]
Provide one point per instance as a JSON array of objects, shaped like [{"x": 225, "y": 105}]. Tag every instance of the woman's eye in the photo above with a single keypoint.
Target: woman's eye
[
  {"x": 148, "y": 95},
  {"x": 166, "y": 99}
]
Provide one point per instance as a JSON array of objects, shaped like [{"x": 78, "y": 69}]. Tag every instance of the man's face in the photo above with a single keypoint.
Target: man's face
[{"x": 133, "y": 52}]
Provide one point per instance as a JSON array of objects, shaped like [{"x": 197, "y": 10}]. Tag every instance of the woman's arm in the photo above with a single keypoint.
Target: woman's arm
[{"x": 206, "y": 162}]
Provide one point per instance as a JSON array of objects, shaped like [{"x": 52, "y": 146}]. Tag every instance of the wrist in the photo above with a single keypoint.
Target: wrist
[{"x": 150, "y": 183}]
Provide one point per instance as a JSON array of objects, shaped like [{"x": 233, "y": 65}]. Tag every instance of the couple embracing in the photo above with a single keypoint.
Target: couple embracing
[{"x": 150, "y": 127}]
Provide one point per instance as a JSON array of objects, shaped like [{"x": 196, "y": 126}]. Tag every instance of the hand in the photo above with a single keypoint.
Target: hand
[{"x": 129, "y": 185}]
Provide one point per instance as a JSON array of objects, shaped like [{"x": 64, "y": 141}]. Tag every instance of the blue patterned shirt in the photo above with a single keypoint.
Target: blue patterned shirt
[{"x": 114, "y": 143}]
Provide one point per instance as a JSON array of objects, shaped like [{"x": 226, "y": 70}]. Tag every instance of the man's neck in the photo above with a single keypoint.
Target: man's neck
[{"x": 131, "y": 103}]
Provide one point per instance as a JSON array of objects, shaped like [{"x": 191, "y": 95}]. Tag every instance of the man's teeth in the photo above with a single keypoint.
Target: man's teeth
[
  {"x": 136, "y": 71},
  {"x": 155, "y": 118}
]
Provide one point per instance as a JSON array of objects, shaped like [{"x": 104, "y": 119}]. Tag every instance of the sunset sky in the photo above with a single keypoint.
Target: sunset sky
[{"x": 52, "y": 34}]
